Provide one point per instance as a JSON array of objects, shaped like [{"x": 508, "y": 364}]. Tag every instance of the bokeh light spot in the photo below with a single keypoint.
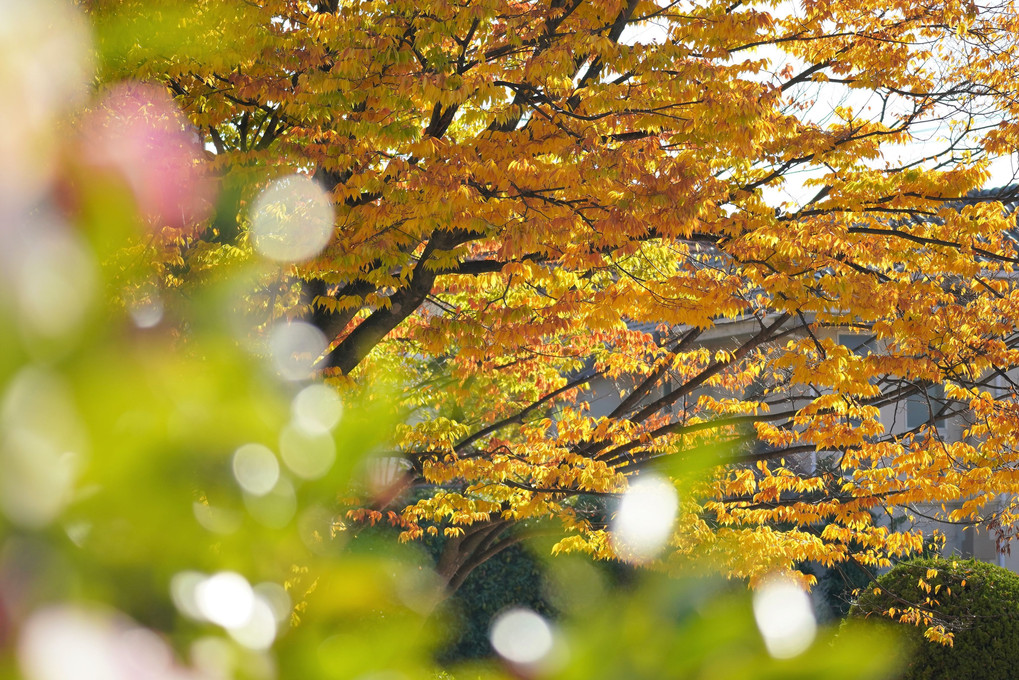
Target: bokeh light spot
[
  {"x": 276, "y": 508},
  {"x": 46, "y": 67},
  {"x": 294, "y": 347},
  {"x": 217, "y": 520},
  {"x": 225, "y": 599},
  {"x": 309, "y": 456},
  {"x": 63, "y": 641},
  {"x": 147, "y": 313},
  {"x": 256, "y": 469},
  {"x": 292, "y": 220},
  {"x": 785, "y": 617},
  {"x": 644, "y": 518},
  {"x": 182, "y": 591},
  {"x": 41, "y": 440},
  {"x": 277, "y": 598},
  {"x": 259, "y": 631},
  {"x": 317, "y": 409},
  {"x": 145, "y": 653},
  {"x": 56, "y": 284},
  {"x": 521, "y": 636},
  {"x": 214, "y": 658}
]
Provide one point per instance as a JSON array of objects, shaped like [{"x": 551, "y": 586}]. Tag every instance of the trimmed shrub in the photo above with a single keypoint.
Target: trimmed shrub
[{"x": 978, "y": 603}]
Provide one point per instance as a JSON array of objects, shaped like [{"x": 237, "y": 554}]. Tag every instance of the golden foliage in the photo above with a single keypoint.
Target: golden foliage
[{"x": 563, "y": 225}]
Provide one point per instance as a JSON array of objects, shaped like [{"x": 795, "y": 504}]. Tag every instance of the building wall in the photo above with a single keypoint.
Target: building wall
[{"x": 963, "y": 540}]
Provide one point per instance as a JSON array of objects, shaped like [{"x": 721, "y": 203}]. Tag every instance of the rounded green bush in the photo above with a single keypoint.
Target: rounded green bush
[{"x": 975, "y": 601}]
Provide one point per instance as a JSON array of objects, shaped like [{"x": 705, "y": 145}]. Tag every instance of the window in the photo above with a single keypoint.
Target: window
[
  {"x": 922, "y": 407},
  {"x": 860, "y": 344}
]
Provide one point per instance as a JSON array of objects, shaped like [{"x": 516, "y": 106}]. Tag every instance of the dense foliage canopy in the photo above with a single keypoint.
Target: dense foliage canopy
[{"x": 670, "y": 209}]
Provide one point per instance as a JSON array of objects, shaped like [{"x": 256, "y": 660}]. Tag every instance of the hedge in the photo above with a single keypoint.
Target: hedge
[{"x": 977, "y": 602}]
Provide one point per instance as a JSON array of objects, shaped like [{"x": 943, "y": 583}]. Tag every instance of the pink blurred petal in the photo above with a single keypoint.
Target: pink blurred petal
[{"x": 137, "y": 131}]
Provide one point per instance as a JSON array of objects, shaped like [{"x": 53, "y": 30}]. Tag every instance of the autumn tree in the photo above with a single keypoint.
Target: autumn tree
[{"x": 670, "y": 208}]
